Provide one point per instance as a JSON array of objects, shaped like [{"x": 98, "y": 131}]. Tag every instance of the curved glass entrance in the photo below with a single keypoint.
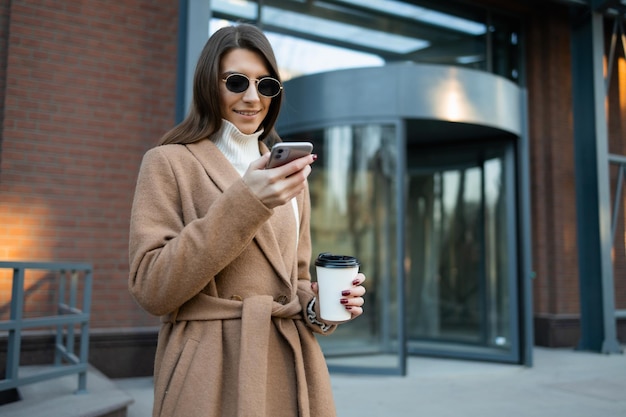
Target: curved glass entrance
[
  {"x": 462, "y": 251},
  {"x": 355, "y": 200},
  {"x": 417, "y": 176}
]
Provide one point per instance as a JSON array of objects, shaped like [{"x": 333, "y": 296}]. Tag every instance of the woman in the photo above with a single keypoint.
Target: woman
[{"x": 220, "y": 249}]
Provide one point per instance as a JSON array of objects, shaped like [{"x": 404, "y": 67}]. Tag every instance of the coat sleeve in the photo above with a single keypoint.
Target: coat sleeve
[{"x": 170, "y": 261}]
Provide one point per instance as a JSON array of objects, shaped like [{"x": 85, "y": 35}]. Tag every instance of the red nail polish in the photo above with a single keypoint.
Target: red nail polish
[
  {"x": 343, "y": 301},
  {"x": 348, "y": 307},
  {"x": 355, "y": 282},
  {"x": 345, "y": 292},
  {"x": 315, "y": 157}
]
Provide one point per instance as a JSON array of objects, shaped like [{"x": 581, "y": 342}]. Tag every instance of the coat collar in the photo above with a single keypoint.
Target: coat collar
[{"x": 223, "y": 175}]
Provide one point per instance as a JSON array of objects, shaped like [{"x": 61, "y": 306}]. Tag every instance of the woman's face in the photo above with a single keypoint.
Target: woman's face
[{"x": 246, "y": 110}]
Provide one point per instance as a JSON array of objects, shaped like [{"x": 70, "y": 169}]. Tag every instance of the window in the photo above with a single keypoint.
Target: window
[{"x": 316, "y": 36}]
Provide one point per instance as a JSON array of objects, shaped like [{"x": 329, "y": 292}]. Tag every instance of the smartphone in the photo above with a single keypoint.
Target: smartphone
[{"x": 285, "y": 152}]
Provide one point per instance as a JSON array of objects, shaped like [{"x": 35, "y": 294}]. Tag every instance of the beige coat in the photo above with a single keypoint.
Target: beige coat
[{"x": 231, "y": 283}]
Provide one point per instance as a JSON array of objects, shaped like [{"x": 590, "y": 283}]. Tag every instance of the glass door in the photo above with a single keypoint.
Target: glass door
[
  {"x": 462, "y": 252},
  {"x": 356, "y": 198}
]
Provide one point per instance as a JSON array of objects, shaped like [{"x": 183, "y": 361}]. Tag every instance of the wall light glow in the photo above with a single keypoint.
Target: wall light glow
[
  {"x": 454, "y": 105},
  {"x": 21, "y": 231},
  {"x": 621, "y": 81}
]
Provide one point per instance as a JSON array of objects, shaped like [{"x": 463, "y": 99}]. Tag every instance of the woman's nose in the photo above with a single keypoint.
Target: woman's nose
[{"x": 251, "y": 93}]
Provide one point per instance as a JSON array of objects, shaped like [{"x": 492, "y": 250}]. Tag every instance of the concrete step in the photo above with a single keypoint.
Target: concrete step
[{"x": 58, "y": 398}]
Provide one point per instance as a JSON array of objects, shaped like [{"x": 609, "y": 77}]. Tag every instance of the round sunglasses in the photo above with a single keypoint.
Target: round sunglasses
[{"x": 266, "y": 86}]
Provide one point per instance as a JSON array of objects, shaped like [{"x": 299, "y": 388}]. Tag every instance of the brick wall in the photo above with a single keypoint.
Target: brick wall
[
  {"x": 90, "y": 85},
  {"x": 554, "y": 241},
  {"x": 4, "y": 38},
  {"x": 554, "y": 247}
]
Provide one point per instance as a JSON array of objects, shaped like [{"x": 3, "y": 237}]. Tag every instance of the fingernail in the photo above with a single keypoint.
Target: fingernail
[
  {"x": 346, "y": 292},
  {"x": 348, "y": 307},
  {"x": 355, "y": 282},
  {"x": 315, "y": 157},
  {"x": 343, "y": 301}
]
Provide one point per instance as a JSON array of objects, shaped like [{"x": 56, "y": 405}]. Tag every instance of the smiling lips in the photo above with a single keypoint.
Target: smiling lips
[{"x": 247, "y": 113}]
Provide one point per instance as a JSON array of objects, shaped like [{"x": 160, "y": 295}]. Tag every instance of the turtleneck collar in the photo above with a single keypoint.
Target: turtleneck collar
[{"x": 239, "y": 148}]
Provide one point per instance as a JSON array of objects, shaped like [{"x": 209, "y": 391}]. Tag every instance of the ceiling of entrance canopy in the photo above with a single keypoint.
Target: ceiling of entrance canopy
[{"x": 390, "y": 30}]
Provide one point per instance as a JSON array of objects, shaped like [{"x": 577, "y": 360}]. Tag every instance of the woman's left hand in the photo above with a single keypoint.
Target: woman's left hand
[{"x": 351, "y": 298}]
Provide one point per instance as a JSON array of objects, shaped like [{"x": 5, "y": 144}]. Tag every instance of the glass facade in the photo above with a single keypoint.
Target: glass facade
[
  {"x": 315, "y": 36},
  {"x": 461, "y": 263},
  {"x": 354, "y": 190},
  {"x": 434, "y": 226}
]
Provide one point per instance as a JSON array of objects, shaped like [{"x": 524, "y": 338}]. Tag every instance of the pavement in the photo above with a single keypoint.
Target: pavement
[
  {"x": 60, "y": 396},
  {"x": 561, "y": 383}
]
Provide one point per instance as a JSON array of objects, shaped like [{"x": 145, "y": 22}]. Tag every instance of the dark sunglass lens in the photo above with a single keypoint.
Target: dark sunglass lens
[
  {"x": 237, "y": 83},
  {"x": 269, "y": 87}
]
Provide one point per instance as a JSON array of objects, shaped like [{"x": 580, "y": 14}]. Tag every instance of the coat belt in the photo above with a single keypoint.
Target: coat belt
[{"x": 256, "y": 314}]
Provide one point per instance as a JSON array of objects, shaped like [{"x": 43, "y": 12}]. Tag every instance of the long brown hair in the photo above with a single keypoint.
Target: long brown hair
[{"x": 205, "y": 118}]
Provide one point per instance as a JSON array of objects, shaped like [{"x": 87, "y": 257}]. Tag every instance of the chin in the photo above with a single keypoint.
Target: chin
[{"x": 248, "y": 129}]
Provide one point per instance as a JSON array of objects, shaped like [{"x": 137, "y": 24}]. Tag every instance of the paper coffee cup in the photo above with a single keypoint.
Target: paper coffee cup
[{"x": 335, "y": 273}]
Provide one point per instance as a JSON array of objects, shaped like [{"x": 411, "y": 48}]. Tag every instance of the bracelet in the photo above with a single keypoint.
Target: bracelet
[{"x": 310, "y": 309}]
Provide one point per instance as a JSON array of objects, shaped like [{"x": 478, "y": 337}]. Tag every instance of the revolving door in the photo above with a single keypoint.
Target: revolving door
[
  {"x": 462, "y": 251},
  {"x": 431, "y": 207}
]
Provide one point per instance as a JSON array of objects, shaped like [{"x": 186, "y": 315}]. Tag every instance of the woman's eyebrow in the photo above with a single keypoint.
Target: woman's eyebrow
[{"x": 227, "y": 73}]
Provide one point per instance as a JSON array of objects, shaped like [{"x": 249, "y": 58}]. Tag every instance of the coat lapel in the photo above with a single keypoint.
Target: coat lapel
[{"x": 223, "y": 175}]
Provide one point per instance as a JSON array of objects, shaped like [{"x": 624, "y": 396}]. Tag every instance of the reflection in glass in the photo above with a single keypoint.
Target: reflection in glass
[
  {"x": 422, "y": 14},
  {"x": 353, "y": 33},
  {"x": 459, "y": 268},
  {"x": 353, "y": 212}
]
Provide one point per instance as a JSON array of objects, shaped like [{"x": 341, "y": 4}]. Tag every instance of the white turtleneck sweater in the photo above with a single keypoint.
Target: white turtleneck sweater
[{"x": 241, "y": 149}]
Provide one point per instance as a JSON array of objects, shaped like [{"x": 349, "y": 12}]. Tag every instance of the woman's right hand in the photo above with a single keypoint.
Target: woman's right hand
[{"x": 276, "y": 186}]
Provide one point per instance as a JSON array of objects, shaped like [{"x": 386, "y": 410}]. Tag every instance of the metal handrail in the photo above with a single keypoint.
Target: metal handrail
[{"x": 69, "y": 315}]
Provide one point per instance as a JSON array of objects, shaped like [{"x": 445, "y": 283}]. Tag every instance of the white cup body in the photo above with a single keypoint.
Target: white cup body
[{"x": 331, "y": 282}]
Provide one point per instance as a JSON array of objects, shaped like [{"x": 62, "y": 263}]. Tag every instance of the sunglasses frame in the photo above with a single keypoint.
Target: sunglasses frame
[{"x": 256, "y": 84}]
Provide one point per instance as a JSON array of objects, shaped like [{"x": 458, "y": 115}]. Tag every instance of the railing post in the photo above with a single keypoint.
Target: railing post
[
  {"x": 71, "y": 303},
  {"x": 58, "y": 340},
  {"x": 84, "y": 331},
  {"x": 17, "y": 312}
]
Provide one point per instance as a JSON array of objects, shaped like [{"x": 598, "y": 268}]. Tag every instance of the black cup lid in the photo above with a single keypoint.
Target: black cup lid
[{"x": 329, "y": 260}]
